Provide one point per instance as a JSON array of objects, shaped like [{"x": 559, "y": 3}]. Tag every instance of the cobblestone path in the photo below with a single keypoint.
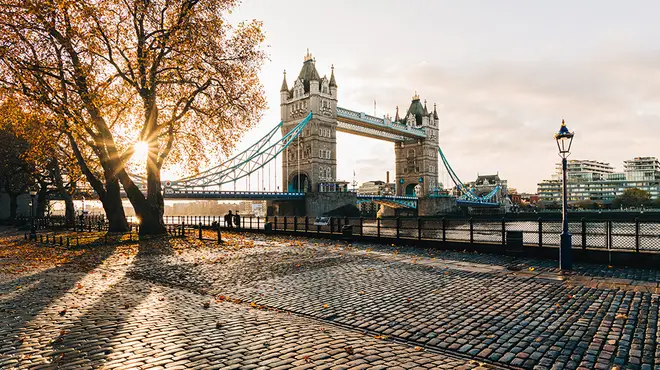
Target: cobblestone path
[
  {"x": 268, "y": 302},
  {"x": 94, "y": 315}
]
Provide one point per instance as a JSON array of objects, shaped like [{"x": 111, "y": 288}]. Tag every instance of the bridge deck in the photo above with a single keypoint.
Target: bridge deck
[{"x": 362, "y": 124}]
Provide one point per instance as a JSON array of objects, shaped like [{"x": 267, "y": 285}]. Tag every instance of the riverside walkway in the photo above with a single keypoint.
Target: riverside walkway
[{"x": 261, "y": 301}]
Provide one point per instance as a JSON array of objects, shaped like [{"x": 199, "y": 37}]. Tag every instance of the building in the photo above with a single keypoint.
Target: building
[
  {"x": 310, "y": 162},
  {"x": 596, "y": 181},
  {"x": 417, "y": 160},
  {"x": 484, "y": 184},
  {"x": 376, "y": 188}
]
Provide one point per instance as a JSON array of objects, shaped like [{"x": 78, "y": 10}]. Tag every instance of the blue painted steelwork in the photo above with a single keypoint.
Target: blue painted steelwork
[
  {"x": 393, "y": 201},
  {"x": 238, "y": 195},
  {"x": 239, "y": 166},
  {"x": 363, "y": 124},
  {"x": 468, "y": 197}
]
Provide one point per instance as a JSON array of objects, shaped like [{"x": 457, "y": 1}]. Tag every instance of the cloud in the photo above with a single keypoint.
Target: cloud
[{"x": 500, "y": 116}]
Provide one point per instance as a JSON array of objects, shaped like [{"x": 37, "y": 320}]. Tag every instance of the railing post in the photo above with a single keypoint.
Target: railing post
[
  {"x": 284, "y": 226},
  {"x": 419, "y": 228},
  {"x": 250, "y": 222},
  {"x": 398, "y": 227},
  {"x": 503, "y": 231},
  {"x": 471, "y": 230},
  {"x": 378, "y": 227},
  {"x": 200, "y": 230},
  {"x": 637, "y": 234},
  {"x": 361, "y": 226},
  {"x": 274, "y": 223},
  {"x": 609, "y": 234},
  {"x": 306, "y": 224},
  {"x": 295, "y": 223},
  {"x": 584, "y": 233},
  {"x": 540, "y": 232},
  {"x": 332, "y": 225},
  {"x": 444, "y": 229}
]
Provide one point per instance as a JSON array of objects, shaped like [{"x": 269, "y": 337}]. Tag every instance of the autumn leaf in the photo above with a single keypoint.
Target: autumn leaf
[
  {"x": 326, "y": 305},
  {"x": 349, "y": 350},
  {"x": 253, "y": 304},
  {"x": 361, "y": 293},
  {"x": 418, "y": 348},
  {"x": 307, "y": 359},
  {"x": 531, "y": 269},
  {"x": 62, "y": 312}
]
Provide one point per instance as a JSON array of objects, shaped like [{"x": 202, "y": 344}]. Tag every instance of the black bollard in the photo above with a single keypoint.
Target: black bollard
[{"x": 200, "y": 231}]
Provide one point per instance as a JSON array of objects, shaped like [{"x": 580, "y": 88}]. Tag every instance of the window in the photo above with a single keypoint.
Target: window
[{"x": 411, "y": 153}]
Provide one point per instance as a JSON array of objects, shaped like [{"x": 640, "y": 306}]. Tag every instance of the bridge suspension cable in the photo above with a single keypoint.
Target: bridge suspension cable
[
  {"x": 245, "y": 163},
  {"x": 466, "y": 193}
]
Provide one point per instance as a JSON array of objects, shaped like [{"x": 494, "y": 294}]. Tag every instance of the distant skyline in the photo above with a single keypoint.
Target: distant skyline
[{"x": 503, "y": 74}]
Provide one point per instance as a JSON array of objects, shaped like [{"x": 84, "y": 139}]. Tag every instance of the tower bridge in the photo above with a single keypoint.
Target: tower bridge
[{"x": 307, "y": 150}]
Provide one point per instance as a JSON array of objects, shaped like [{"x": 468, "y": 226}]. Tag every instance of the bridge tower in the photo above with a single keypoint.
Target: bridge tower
[
  {"x": 310, "y": 162},
  {"x": 417, "y": 159}
]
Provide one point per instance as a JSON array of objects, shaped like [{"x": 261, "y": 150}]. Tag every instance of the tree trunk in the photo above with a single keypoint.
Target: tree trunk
[
  {"x": 151, "y": 213},
  {"x": 114, "y": 210},
  {"x": 13, "y": 205},
  {"x": 109, "y": 196},
  {"x": 42, "y": 201},
  {"x": 69, "y": 210}
]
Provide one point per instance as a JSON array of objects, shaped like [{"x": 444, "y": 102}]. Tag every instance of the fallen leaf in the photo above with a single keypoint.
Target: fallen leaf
[
  {"x": 418, "y": 348},
  {"x": 326, "y": 305},
  {"x": 253, "y": 304},
  {"x": 307, "y": 359},
  {"x": 206, "y": 305},
  {"x": 63, "y": 312},
  {"x": 531, "y": 269},
  {"x": 361, "y": 293},
  {"x": 349, "y": 350}
]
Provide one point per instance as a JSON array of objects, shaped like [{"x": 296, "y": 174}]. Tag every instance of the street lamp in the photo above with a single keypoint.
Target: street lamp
[
  {"x": 33, "y": 230},
  {"x": 564, "y": 140}
]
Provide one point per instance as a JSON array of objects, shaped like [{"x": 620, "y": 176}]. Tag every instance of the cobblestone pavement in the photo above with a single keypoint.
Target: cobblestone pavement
[
  {"x": 260, "y": 301},
  {"x": 87, "y": 312}
]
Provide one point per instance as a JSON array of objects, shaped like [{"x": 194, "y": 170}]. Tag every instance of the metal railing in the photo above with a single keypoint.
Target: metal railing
[{"x": 614, "y": 235}]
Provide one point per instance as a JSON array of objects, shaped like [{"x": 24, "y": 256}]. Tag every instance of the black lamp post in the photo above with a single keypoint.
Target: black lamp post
[
  {"x": 564, "y": 140},
  {"x": 33, "y": 230}
]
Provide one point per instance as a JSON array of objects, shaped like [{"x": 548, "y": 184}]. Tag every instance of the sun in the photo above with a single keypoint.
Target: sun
[{"x": 141, "y": 152}]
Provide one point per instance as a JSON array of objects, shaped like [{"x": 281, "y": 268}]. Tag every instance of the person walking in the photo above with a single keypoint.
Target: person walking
[{"x": 228, "y": 220}]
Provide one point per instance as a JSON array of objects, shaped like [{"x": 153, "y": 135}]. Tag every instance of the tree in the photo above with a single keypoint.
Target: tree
[
  {"x": 194, "y": 76},
  {"x": 632, "y": 197},
  {"x": 49, "y": 161},
  {"x": 99, "y": 65},
  {"x": 15, "y": 171}
]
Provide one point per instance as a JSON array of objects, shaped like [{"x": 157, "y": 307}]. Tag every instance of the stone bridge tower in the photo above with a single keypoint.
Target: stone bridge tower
[
  {"x": 417, "y": 160},
  {"x": 310, "y": 161}
]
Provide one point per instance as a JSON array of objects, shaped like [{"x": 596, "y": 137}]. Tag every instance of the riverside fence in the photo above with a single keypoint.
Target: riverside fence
[{"x": 613, "y": 235}]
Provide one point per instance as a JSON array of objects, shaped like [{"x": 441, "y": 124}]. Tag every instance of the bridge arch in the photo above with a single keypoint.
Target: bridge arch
[
  {"x": 300, "y": 182},
  {"x": 410, "y": 190}
]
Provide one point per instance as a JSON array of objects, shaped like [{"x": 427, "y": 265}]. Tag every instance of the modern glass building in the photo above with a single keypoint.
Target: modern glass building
[{"x": 596, "y": 181}]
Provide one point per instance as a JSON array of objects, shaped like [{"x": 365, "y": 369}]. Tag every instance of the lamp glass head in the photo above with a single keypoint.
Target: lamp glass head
[{"x": 564, "y": 140}]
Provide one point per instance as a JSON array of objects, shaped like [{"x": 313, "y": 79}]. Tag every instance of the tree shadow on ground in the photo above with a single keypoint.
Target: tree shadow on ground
[{"x": 26, "y": 297}]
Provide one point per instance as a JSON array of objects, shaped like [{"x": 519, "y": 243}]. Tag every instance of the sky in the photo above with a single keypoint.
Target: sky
[{"x": 503, "y": 74}]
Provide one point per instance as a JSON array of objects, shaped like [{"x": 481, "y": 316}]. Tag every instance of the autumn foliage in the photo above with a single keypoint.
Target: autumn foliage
[{"x": 110, "y": 73}]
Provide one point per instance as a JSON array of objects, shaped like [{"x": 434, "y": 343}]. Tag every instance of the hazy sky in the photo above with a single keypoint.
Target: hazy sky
[{"x": 503, "y": 73}]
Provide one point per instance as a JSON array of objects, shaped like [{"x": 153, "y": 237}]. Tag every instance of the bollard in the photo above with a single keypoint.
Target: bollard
[
  {"x": 61, "y": 241},
  {"x": 68, "y": 244},
  {"x": 25, "y": 236},
  {"x": 200, "y": 231}
]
